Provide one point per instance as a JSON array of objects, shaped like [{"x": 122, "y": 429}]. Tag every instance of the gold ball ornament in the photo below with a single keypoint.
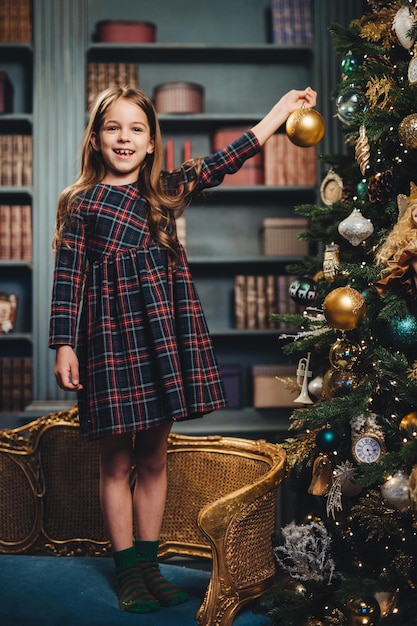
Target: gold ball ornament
[
  {"x": 344, "y": 308},
  {"x": 362, "y": 611},
  {"x": 408, "y": 425},
  {"x": 407, "y": 131},
  {"x": 337, "y": 383},
  {"x": 344, "y": 354},
  {"x": 305, "y": 127}
]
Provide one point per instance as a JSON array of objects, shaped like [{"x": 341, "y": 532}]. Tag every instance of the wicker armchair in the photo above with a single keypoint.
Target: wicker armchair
[{"x": 221, "y": 505}]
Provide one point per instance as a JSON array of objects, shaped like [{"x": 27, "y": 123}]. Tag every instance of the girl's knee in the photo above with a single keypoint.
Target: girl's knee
[{"x": 116, "y": 457}]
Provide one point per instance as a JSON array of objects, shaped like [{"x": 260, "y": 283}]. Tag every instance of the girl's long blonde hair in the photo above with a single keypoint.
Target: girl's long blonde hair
[
  {"x": 164, "y": 206},
  {"x": 402, "y": 237}
]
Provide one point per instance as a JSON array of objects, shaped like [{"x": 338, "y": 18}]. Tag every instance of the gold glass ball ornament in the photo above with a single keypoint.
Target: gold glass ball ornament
[
  {"x": 337, "y": 383},
  {"x": 408, "y": 425},
  {"x": 305, "y": 127},
  {"x": 362, "y": 611},
  {"x": 344, "y": 354},
  {"x": 344, "y": 308},
  {"x": 407, "y": 131}
]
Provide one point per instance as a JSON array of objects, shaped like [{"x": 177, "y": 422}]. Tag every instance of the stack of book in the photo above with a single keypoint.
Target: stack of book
[
  {"x": 15, "y": 160},
  {"x": 287, "y": 164},
  {"x": 101, "y": 76},
  {"x": 15, "y": 21},
  {"x": 16, "y": 232},
  {"x": 16, "y": 383},
  {"x": 256, "y": 298},
  {"x": 292, "y": 22}
]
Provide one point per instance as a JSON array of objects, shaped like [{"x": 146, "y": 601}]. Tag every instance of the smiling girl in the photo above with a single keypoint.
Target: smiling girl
[{"x": 123, "y": 296}]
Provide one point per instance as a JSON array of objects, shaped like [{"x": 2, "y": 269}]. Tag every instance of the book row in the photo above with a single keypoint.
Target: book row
[
  {"x": 100, "y": 76},
  {"x": 256, "y": 298},
  {"x": 16, "y": 232},
  {"x": 292, "y": 22},
  {"x": 288, "y": 164},
  {"x": 16, "y": 383},
  {"x": 15, "y": 21},
  {"x": 16, "y": 160}
]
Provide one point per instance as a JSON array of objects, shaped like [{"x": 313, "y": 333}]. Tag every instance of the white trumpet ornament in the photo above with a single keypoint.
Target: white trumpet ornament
[{"x": 303, "y": 374}]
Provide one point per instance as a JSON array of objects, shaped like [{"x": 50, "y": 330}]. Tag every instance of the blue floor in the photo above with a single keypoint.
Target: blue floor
[{"x": 78, "y": 591}]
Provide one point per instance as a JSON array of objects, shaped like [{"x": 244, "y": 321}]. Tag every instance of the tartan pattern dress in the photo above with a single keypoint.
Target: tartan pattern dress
[{"x": 142, "y": 340}]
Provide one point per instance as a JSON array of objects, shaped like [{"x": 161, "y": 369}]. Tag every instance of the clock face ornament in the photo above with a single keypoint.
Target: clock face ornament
[
  {"x": 331, "y": 189},
  {"x": 368, "y": 448}
]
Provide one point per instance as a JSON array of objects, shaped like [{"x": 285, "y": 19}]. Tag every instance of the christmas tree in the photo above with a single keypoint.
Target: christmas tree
[{"x": 350, "y": 555}]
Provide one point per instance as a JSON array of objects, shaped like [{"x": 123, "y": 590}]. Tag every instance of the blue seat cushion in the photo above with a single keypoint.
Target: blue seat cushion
[{"x": 77, "y": 591}]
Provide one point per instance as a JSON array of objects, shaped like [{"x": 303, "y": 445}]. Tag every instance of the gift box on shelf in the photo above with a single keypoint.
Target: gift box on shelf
[
  {"x": 279, "y": 236},
  {"x": 268, "y": 390},
  {"x": 231, "y": 376},
  {"x": 251, "y": 172},
  {"x": 125, "y": 31}
]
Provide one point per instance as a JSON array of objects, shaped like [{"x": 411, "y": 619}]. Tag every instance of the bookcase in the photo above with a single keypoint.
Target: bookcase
[
  {"x": 16, "y": 66},
  {"x": 226, "y": 48}
]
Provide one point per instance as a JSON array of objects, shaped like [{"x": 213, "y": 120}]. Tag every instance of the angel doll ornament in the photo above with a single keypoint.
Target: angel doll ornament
[{"x": 398, "y": 253}]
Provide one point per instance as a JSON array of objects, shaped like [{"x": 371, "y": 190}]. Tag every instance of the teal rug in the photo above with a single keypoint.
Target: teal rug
[{"x": 80, "y": 591}]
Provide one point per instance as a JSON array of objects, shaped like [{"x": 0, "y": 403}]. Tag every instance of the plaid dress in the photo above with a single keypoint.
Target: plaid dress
[{"x": 142, "y": 340}]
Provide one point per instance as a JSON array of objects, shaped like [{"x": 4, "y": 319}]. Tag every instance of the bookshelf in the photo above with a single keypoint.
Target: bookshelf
[{"x": 16, "y": 122}]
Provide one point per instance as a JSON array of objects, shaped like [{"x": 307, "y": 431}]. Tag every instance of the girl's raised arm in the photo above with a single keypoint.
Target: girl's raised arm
[{"x": 291, "y": 101}]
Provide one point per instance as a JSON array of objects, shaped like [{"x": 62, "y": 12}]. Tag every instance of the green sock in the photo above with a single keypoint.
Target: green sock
[
  {"x": 133, "y": 594},
  {"x": 160, "y": 588}
]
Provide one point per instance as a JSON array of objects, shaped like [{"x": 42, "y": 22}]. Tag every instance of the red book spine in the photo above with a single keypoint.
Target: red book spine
[
  {"x": 169, "y": 155},
  {"x": 187, "y": 150}
]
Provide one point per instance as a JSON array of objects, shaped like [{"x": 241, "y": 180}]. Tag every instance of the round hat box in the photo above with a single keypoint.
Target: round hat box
[{"x": 179, "y": 98}]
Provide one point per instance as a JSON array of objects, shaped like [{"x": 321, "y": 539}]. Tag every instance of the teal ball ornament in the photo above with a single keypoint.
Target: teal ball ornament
[
  {"x": 402, "y": 333},
  {"x": 362, "y": 190},
  {"x": 327, "y": 440},
  {"x": 350, "y": 103},
  {"x": 349, "y": 64},
  {"x": 303, "y": 290}
]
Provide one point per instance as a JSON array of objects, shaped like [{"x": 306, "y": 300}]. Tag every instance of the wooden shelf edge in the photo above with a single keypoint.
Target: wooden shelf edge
[
  {"x": 15, "y": 337},
  {"x": 199, "y": 53}
]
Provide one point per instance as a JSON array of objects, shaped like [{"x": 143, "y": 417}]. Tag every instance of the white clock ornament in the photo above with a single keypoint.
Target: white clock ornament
[{"x": 368, "y": 447}]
